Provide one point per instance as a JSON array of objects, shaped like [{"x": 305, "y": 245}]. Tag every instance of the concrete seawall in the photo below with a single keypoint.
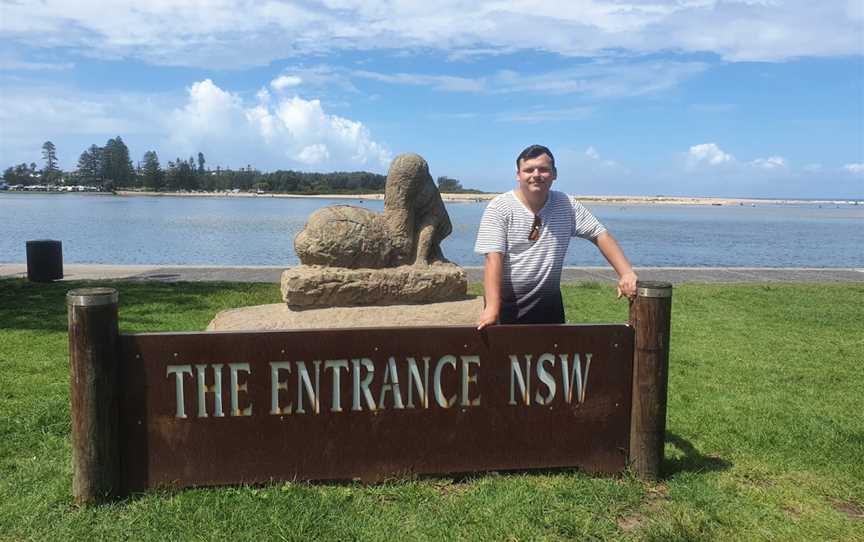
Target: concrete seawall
[{"x": 271, "y": 274}]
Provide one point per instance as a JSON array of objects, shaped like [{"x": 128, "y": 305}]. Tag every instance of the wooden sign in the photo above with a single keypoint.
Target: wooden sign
[
  {"x": 370, "y": 404},
  {"x": 192, "y": 409}
]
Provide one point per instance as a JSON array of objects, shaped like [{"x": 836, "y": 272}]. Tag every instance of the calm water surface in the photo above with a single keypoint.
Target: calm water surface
[{"x": 260, "y": 231}]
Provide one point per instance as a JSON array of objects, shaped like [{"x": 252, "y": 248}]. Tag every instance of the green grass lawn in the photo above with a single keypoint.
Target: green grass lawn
[{"x": 765, "y": 435}]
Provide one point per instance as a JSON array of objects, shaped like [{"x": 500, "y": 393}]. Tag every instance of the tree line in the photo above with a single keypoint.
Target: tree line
[{"x": 110, "y": 168}]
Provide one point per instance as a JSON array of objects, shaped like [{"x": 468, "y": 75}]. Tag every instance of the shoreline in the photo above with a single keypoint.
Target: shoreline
[
  {"x": 570, "y": 274},
  {"x": 473, "y": 198}
]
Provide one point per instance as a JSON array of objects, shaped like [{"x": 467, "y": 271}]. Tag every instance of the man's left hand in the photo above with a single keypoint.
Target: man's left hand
[{"x": 627, "y": 285}]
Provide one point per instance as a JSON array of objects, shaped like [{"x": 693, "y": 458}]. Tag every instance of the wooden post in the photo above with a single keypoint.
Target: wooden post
[
  {"x": 650, "y": 315},
  {"x": 93, "y": 367}
]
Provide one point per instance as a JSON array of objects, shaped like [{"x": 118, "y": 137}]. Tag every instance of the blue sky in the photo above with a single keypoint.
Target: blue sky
[{"x": 759, "y": 98}]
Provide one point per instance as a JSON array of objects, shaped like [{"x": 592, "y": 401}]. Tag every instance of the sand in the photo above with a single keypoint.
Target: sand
[{"x": 455, "y": 198}]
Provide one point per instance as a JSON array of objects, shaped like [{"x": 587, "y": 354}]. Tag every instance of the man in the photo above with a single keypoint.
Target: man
[{"x": 524, "y": 235}]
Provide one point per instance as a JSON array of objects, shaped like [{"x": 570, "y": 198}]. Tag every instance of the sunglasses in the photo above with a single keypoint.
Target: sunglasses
[{"x": 534, "y": 234}]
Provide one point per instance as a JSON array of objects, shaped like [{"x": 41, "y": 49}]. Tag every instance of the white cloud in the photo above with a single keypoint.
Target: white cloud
[
  {"x": 854, "y": 168},
  {"x": 322, "y": 77},
  {"x": 232, "y": 33},
  {"x": 284, "y": 81},
  {"x": 267, "y": 131},
  {"x": 72, "y": 120},
  {"x": 594, "y": 156},
  {"x": 536, "y": 115},
  {"x": 210, "y": 111},
  {"x": 263, "y": 95},
  {"x": 581, "y": 169},
  {"x": 313, "y": 154},
  {"x": 296, "y": 129},
  {"x": 438, "y": 82},
  {"x": 41, "y": 112},
  {"x": 708, "y": 153},
  {"x": 597, "y": 79},
  {"x": 601, "y": 79},
  {"x": 12, "y": 64},
  {"x": 770, "y": 163}
]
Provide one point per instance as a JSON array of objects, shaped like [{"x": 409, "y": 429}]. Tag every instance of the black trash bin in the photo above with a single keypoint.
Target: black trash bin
[{"x": 44, "y": 260}]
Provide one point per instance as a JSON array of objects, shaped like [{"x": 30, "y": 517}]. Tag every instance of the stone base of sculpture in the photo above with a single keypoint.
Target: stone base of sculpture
[
  {"x": 279, "y": 316},
  {"x": 310, "y": 286}
]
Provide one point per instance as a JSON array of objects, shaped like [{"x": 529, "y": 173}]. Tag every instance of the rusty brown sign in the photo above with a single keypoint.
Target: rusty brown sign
[{"x": 368, "y": 404}]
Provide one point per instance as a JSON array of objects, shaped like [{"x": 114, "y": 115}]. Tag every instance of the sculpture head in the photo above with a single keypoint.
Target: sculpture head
[{"x": 409, "y": 166}]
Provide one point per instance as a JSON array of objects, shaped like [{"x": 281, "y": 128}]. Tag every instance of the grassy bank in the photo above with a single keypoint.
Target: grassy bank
[{"x": 765, "y": 435}]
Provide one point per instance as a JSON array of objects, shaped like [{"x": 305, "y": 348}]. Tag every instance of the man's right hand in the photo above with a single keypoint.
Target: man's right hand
[{"x": 489, "y": 317}]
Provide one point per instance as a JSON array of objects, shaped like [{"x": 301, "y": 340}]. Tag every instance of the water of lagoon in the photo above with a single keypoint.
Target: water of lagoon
[{"x": 260, "y": 231}]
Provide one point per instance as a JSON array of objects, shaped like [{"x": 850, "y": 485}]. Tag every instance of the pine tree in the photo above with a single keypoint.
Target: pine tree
[
  {"x": 151, "y": 172},
  {"x": 117, "y": 168},
  {"x": 90, "y": 166},
  {"x": 49, "y": 153}
]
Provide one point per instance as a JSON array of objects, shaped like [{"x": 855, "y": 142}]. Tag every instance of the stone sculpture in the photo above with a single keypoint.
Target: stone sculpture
[
  {"x": 353, "y": 256},
  {"x": 408, "y": 233}
]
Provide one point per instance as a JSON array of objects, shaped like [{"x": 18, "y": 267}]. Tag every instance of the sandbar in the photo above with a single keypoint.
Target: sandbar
[{"x": 461, "y": 197}]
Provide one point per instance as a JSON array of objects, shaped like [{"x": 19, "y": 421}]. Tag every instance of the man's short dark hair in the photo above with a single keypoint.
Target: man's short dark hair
[{"x": 534, "y": 151}]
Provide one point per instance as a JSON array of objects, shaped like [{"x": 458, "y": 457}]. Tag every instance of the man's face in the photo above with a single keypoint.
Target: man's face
[{"x": 535, "y": 175}]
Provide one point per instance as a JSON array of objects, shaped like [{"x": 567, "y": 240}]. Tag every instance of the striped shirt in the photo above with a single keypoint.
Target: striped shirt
[{"x": 532, "y": 269}]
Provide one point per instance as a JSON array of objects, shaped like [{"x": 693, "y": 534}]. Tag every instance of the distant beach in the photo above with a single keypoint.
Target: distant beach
[{"x": 460, "y": 197}]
